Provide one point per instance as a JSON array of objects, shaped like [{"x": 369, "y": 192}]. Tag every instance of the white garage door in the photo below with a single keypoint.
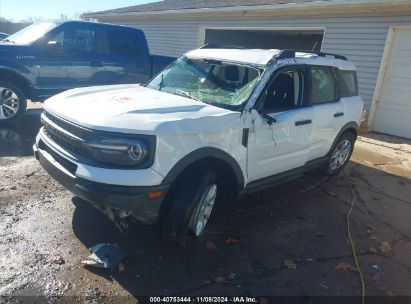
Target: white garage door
[{"x": 393, "y": 113}]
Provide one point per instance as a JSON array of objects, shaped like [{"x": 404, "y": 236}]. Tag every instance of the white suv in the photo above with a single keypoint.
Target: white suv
[{"x": 226, "y": 121}]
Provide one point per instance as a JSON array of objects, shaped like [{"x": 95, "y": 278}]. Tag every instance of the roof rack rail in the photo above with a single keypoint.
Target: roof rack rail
[
  {"x": 290, "y": 53},
  {"x": 336, "y": 56},
  {"x": 283, "y": 54}
]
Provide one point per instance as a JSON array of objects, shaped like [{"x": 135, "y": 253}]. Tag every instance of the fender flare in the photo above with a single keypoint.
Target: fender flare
[
  {"x": 16, "y": 74},
  {"x": 200, "y": 154},
  {"x": 349, "y": 125}
]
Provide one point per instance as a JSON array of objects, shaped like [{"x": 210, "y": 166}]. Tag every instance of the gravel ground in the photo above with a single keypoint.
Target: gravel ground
[{"x": 288, "y": 240}]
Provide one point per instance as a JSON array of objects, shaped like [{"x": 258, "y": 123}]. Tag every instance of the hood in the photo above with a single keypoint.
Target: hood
[{"x": 131, "y": 109}]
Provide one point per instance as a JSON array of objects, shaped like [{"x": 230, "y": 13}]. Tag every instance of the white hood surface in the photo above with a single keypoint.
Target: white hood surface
[{"x": 135, "y": 109}]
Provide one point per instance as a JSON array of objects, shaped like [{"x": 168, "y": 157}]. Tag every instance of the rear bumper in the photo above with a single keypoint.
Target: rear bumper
[{"x": 131, "y": 199}]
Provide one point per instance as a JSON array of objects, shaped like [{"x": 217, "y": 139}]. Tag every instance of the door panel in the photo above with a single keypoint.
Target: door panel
[
  {"x": 280, "y": 147},
  {"x": 283, "y": 144},
  {"x": 70, "y": 58},
  {"x": 329, "y": 119},
  {"x": 328, "y": 109}
]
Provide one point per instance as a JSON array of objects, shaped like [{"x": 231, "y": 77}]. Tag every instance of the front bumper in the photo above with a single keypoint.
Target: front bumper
[{"x": 142, "y": 202}]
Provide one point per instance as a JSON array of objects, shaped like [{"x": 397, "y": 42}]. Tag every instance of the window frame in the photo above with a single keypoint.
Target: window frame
[
  {"x": 302, "y": 70},
  {"x": 336, "y": 85}
]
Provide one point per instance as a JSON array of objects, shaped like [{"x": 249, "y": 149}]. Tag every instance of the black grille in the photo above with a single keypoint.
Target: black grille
[
  {"x": 69, "y": 127},
  {"x": 65, "y": 140},
  {"x": 68, "y": 165}
]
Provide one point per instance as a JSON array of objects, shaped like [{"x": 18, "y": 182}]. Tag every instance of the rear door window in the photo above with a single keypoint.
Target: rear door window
[
  {"x": 323, "y": 88},
  {"x": 347, "y": 82},
  {"x": 124, "y": 42}
]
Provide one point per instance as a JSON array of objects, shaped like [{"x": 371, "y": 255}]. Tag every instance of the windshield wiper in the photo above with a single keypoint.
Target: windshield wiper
[
  {"x": 187, "y": 94},
  {"x": 7, "y": 40},
  {"x": 160, "y": 85}
]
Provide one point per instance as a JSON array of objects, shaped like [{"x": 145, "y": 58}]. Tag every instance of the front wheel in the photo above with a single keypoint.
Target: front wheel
[
  {"x": 12, "y": 102},
  {"x": 188, "y": 206},
  {"x": 340, "y": 154}
]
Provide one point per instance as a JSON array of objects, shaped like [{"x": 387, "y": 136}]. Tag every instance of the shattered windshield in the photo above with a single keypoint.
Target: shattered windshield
[{"x": 210, "y": 81}]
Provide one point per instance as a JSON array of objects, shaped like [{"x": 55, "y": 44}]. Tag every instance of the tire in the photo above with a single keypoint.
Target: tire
[
  {"x": 340, "y": 154},
  {"x": 182, "y": 207},
  {"x": 13, "y": 102}
]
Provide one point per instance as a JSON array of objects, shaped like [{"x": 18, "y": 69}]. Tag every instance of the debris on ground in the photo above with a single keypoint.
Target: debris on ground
[
  {"x": 345, "y": 266},
  {"x": 211, "y": 246},
  {"x": 390, "y": 296},
  {"x": 58, "y": 261},
  {"x": 105, "y": 256},
  {"x": 382, "y": 247},
  {"x": 374, "y": 249},
  {"x": 220, "y": 280},
  {"x": 232, "y": 241},
  {"x": 376, "y": 276},
  {"x": 370, "y": 229},
  {"x": 31, "y": 174},
  {"x": 56, "y": 289},
  {"x": 290, "y": 264}
]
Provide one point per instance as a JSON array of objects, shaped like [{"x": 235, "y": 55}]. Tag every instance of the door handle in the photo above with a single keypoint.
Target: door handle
[
  {"x": 339, "y": 114},
  {"x": 96, "y": 63},
  {"x": 303, "y": 122}
]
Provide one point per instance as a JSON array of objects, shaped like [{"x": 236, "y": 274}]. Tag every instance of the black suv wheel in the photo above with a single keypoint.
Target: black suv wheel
[
  {"x": 340, "y": 154},
  {"x": 188, "y": 205},
  {"x": 12, "y": 102}
]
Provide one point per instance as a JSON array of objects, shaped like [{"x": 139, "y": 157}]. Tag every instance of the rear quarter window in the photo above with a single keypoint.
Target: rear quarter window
[{"x": 347, "y": 82}]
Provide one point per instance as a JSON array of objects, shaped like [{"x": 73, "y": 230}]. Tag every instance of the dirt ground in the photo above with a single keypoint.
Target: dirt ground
[{"x": 289, "y": 240}]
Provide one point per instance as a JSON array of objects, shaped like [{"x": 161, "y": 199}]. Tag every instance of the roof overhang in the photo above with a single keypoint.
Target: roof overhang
[{"x": 299, "y": 8}]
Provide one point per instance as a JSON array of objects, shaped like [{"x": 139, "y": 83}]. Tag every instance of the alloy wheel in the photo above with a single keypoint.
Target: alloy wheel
[
  {"x": 203, "y": 212},
  {"x": 9, "y": 103},
  {"x": 340, "y": 154}
]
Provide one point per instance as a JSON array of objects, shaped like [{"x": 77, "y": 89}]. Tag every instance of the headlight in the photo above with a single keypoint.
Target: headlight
[{"x": 119, "y": 151}]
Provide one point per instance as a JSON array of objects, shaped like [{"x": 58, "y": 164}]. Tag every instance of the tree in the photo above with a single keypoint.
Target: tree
[
  {"x": 83, "y": 16},
  {"x": 32, "y": 19}
]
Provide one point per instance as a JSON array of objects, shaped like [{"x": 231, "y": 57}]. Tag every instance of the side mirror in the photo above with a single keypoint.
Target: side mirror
[{"x": 270, "y": 120}]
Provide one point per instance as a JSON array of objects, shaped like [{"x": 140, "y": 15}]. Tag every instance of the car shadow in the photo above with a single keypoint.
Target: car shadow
[
  {"x": 156, "y": 267},
  {"x": 244, "y": 246},
  {"x": 17, "y": 139},
  {"x": 246, "y": 238}
]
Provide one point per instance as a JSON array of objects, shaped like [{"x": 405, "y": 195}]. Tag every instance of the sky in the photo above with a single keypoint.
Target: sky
[{"x": 18, "y": 10}]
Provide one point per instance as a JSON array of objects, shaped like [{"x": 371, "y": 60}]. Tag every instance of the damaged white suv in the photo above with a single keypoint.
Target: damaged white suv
[{"x": 216, "y": 121}]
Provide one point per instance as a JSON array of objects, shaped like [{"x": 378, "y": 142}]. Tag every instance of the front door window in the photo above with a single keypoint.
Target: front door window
[{"x": 284, "y": 92}]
